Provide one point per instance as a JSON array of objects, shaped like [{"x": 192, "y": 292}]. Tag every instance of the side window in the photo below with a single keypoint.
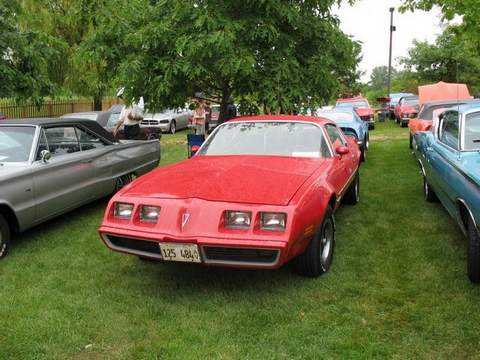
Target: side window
[
  {"x": 42, "y": 145},
  {"x": 88, "y": 141},
  {"x": 335, "y": 137},
  {"x": 449, "y": 130},
  {"x": 62, "y": 140}
]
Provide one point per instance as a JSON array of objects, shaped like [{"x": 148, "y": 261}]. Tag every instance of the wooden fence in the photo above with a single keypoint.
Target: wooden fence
[{"x": 51, "y": 108}]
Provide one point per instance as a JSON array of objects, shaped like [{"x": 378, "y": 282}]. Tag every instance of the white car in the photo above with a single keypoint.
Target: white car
[{"x": 167, "y": 121}]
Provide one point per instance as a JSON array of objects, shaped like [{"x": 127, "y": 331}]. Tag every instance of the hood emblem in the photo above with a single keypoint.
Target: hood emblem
[{"x": 185, "y": 218}]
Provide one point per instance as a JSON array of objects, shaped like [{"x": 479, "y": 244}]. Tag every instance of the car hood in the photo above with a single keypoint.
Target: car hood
[
  {"x": 364, "y": 111},
  {"x": 272, "y": 180}
]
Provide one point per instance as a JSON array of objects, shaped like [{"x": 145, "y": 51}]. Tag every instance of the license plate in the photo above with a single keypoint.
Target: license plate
[{"x": 180, "y": 252}]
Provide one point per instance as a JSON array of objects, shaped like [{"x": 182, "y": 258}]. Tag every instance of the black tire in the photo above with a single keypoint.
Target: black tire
[
  {"x": 410, "y": 141},
  {"x": 4, "y": 237},
  {"x": 173, "y": 127},
  {"x": 352, "y": 196},
  {"x": 473, "y": 252},
  {"x": 428, "y": 192},
  {"x": 363, "y": 154},
  {"x": 367, "y": 142},
  {"x": 318, "y": 256},
  {"x": 123, "y": 180}
]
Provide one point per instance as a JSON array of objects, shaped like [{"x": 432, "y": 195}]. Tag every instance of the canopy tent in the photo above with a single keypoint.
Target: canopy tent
[{"x": 443, "y": 91}]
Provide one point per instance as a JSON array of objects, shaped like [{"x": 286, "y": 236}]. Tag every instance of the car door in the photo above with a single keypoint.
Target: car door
[
  {"x": 343, "y": 169},
  {"x": 63, "y": 182},
  {"x": 444, "y": 154},
  {"x": 182, "y": 118}
]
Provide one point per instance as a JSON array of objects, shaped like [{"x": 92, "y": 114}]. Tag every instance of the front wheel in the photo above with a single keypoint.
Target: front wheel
[
  {"x": 473, "y": 253},
  {"x": 411, "y": 141},
  {"x": 317, "y": 258},
  {"x": 4, "y": 237},
  {"x": 123, "y": 180},
  {"x": 173, "y": 127}
]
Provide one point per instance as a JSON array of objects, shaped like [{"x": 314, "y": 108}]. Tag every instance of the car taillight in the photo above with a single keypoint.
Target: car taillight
[
  {"x": 149, "y": 213},
  {"x": 273, "y": 221},
  {"x": 238, "y": 219},
  {"x": 122, "y": 210}
]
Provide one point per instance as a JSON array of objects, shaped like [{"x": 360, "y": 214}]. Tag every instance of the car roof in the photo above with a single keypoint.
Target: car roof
[
  {"x": 410, "y": 97},
  {"x": 355, "y": 98},
  {"x": 466, "y": 107},
  {"x": 284, "y": 118},
  {"x": 451, "y": 102},
  {"x": 88, "y": 124},
  {"x": 83, "y": 113}
]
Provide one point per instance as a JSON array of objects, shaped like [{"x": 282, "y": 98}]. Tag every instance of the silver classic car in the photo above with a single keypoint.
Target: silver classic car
[{"x": 51, "y": 166}]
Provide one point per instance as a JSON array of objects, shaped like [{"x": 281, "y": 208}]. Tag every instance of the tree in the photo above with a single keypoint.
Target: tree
[
  {"x": 88, "y": 40},
  {"x": 281, "y": 54},
  {"x": 379, "y": 78},
  {"x": 453, "y": 58},
  {"x": 23, "y": 57}
]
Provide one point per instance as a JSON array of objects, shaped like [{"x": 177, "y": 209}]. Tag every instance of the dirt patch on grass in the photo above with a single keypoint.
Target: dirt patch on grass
[{"x": 387, "y": 137}]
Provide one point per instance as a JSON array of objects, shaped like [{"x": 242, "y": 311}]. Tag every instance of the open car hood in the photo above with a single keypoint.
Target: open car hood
[
  {"x": 271, "y": 180},
  {"x": 443, "y": 91}
]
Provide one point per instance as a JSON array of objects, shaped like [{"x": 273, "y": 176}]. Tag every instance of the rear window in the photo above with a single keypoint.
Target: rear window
[
  {"x": 426, "y": 113},
  {"x": 472, "y": 132}
]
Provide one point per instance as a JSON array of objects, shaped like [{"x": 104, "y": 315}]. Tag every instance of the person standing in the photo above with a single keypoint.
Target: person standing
[
  {"x": 130, "y": 118},
  {"x": 199, "y": 118},
  {"x": 208, "y": 116}
]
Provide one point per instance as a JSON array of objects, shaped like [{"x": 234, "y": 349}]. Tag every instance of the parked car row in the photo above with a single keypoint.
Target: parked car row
[
  {"x": 446, "y": 142},
  {"x": 361, "y": 106}
]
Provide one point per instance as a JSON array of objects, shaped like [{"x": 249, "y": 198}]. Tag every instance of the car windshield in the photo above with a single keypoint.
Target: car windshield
[
  {"x": 472, "y": 131},
  {"x": 355, "y": 104},
  {"x": 267, "y": 138},
  {"x": 337, "y": 116},
  {"x": 15, "y": 143},
  {"x": 410, "y": 102},
  {"x": 112, "y": 120}
]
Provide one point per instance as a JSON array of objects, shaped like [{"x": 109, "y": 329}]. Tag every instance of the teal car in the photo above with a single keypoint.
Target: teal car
[{"x": 449, "y": 158}]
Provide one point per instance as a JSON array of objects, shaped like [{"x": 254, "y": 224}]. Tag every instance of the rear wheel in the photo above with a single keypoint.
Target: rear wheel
[
  {"x": 4, "y": 237},
  {"x": 123, "y": 180},
  {"x": 411, "y": 141},
  {"x": 173, "y": 127},
  {"x": 473, "y": 253},
  {"x": 352, "y": 196},
  {"x": 428, "y": 192},
  {"x": 317, "y": 258}
]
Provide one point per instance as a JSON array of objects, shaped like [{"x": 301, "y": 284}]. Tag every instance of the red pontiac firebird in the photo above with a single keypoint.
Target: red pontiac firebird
[{"x": 260, "y": 191}]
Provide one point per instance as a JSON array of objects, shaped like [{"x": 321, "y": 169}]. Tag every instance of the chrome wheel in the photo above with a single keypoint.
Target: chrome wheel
[
  {"x": 173, "y": 127},
  {"x": 326, "y": 245},
  {"x": 367, "y": 143},
  {"x": 124, "y": 180}
]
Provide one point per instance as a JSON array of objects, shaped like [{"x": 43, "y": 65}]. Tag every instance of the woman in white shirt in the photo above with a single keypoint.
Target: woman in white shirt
[{"x": 130, "y": 118}]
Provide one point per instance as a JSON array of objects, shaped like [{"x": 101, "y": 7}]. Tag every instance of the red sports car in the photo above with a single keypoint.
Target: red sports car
[
  {"x": 260, "y": 192},
  {"x": 361, "y": 107}
]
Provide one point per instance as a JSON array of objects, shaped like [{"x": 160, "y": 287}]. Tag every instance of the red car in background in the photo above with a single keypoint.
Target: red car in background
[
  {"x": 362, "y": 108},
  {"x": 260, "y": 192},
  {"x": 406, "y": 109},
  {"x": 3, "y": 116},
  {"x": 435, "y": 96}
]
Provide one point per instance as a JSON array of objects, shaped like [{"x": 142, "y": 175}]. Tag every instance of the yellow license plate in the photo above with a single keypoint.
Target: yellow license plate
[{"x": 180, "y": 252}]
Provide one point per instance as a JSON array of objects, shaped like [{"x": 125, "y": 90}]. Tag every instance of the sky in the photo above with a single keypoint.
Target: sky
[{"x": 368, "y": 21}]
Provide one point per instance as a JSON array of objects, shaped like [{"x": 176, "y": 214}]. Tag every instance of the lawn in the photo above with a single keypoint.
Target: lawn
[{"x": 397, "y": 287}]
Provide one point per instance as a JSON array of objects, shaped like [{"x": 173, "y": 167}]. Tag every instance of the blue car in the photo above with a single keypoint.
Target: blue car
[
  {"x": 449, "y": 158},
  {"x": 351, "y": 124}
]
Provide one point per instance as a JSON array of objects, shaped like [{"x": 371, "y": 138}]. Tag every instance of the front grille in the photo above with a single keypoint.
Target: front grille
[
  {"x": 365, "y": 118},
  {"x": 240, "y": 255},
  {"x": 135, "y": 244},
  {"x": 149, "y": 122}
]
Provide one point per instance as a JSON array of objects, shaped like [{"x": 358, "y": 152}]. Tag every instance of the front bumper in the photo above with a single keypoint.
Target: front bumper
[
  {"x": 160, "y": 127},
  {"x": 246, "y": 253}
]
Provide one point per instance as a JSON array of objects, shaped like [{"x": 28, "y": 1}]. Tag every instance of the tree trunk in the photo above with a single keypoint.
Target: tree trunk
[
  {"x": 97, "y": 102},
  {"x": 224, "y": 104}
]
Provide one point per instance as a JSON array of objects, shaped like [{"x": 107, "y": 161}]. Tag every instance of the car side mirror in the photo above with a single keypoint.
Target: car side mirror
[
  {"x": 342, "y": 150},
  {"x": 45, "y": 155}
]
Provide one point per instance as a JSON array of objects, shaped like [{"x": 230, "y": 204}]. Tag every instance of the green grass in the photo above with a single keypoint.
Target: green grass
[{"x": 397, "y": 288}]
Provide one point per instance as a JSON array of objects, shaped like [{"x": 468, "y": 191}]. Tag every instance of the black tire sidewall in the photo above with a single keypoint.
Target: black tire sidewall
[
  {"x": 473, "y": 252},
  {"x": 5, "y": 238},
  {"x": 173, "y": 127}
]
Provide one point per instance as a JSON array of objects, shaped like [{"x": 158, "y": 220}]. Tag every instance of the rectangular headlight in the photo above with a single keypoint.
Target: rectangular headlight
[
  {"x": 238, "y": 219},
  {"x": 149, "y": 213},
  {"x": 123, "y": 211},
  {"x": 273, "y": 221}
]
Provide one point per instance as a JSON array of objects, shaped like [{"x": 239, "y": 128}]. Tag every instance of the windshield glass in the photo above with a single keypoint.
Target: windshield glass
[
  {"x": 15, "y": 143},
  {"x": 267, "y": 138},
  {"x": 472, "y": 131},
  {"x": 410, "y": 102},
  {"x": 355, "y": 104}
]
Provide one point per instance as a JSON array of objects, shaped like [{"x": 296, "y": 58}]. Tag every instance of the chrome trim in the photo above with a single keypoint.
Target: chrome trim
[
  {"x": 131, "y": 251},
  {"x": 238, "y": 263},
  {"x": 469, "y": 212},
  {"x": 462, "y": 129},
  {"x": 348, "y": 183}
]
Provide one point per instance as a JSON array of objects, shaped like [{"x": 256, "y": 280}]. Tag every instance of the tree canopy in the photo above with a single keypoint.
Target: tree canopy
[{"x": 280, "y": 54}]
